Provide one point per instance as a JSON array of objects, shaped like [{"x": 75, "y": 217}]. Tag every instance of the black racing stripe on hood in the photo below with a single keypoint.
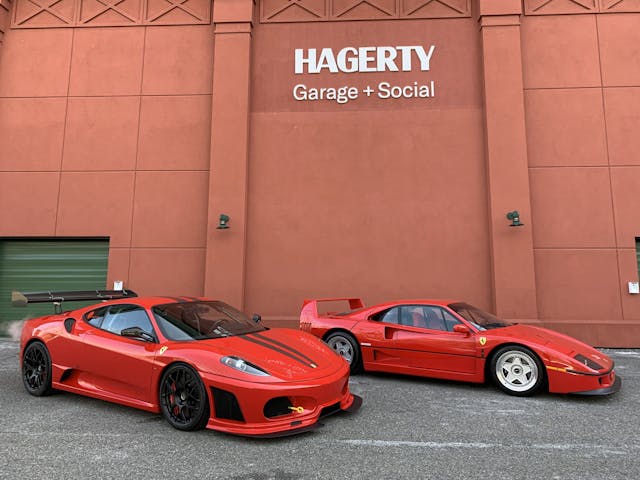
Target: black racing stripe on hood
[
  {"x": 276, "y": 349},
  {"x": 283, "y": 345}
]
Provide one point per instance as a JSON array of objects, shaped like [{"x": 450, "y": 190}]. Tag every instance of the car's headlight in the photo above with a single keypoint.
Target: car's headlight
[{"x": 243, "y": 366}]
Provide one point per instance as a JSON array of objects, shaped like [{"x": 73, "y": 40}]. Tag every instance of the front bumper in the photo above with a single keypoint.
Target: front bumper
[
  {"x": 567, "y": 381},
  {"x": 617, "y": 385},
  {"x": 355, "y": 406},
  {"x": 310, "y": 401}
]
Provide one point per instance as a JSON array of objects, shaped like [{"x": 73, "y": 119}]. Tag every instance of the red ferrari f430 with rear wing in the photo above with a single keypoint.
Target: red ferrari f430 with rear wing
[{"x": 200, "y": 362}]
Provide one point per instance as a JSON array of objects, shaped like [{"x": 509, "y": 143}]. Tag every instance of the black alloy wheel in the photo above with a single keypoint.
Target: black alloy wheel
[
  {"x": 36, "y": 369},
  {"x": 183, "y": 399}
]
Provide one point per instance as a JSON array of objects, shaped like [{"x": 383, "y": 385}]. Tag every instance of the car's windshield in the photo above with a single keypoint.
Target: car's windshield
[
  {"x": 479, "y": 318},
  {"x": 202, "y": 321}
]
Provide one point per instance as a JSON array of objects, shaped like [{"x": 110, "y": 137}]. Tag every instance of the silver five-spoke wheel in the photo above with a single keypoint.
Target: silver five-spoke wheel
[
  {"x": 347, "y": 347},
  {"x": 517, "y": 370},
  {"x": 343, "y": 347}
]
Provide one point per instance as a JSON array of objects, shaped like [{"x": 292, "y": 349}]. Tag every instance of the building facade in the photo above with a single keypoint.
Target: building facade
[{"x": 359, "y": 148}]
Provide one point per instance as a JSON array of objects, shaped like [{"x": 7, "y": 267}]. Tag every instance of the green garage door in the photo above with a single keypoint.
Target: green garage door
[{"x": 46, "y": 265}]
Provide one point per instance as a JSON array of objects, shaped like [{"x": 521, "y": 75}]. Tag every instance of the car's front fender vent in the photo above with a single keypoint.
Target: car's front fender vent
[
  {"x": 277, "y": 407},
  {"x": 226, "y": 405}
]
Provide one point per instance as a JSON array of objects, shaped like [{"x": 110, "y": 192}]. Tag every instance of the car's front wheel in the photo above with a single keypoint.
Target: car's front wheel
[
  {"x": 517, "y": 371},
  {"x": 36, "y": 369},
  {"x": 183, "y": 398},
  {"x": 347, "y": 347}
]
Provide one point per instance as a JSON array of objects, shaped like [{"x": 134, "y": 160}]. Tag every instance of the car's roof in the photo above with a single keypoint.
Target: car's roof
[{"x": 420, "y": 301}]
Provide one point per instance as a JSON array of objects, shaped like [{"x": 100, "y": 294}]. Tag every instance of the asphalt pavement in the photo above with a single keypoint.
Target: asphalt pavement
[{"x": 408, "y": 428}]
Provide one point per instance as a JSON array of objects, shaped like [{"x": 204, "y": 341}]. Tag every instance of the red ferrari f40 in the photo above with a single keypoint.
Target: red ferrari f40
[{"x": 456, "y": 341}]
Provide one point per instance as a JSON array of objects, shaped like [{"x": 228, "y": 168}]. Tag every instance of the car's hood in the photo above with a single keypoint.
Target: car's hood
[
  {"x": 558, "y": 342},
  {"x": 283, "y": 353}
]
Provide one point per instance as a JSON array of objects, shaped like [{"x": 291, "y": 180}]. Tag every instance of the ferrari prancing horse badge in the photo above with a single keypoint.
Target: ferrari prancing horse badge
[{"x": 483, "y": 340}]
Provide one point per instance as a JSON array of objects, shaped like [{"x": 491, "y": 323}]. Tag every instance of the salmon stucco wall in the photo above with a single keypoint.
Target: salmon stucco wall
[
  {"x": 145, "y": 122},
  {"x": 105, "y": 131},
  {"x": 5, "y": 19},
  {"x": 374, "y": 197},
  {"x": 582, "y": 78}
]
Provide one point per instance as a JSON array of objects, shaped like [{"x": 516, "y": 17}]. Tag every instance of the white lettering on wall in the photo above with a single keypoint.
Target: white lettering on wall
[
  {"x": 347, "y": 93},
  {"x": 363, "y": 59},
  {"x": 348, "y": 64}
]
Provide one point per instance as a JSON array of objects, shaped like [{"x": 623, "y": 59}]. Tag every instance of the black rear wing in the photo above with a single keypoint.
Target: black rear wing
[{"x": 21, "y": 299}]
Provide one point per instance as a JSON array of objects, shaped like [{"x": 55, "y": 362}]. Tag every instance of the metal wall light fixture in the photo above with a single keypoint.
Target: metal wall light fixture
[
  {"x": 223, "y": 222},
  {"x": 515, "y": 219}
]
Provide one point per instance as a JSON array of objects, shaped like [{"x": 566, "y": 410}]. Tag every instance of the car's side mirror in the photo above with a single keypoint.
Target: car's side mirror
[
  {"x": 459, "y": 328},
  {"x": 137, "y": 332},
  {"x": 257, "y": 318}
]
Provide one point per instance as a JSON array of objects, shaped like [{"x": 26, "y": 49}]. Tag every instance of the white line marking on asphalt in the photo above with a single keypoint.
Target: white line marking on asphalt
[
  {"x": 507, "y": 412},
  {"x": 629, "y": 354},
  {"x": 401, "y": 443},
  {"x": 612, "y": 449},
  {"x": 41, "y": 434}
]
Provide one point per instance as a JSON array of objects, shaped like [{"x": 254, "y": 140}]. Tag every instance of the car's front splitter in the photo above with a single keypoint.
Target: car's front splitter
[
  {"x": 355, "y": 405},
  {"x": 286, "y": 433}
]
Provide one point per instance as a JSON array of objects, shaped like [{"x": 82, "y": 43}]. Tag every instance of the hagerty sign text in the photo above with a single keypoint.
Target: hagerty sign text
[{"x": 405, "y": 58}]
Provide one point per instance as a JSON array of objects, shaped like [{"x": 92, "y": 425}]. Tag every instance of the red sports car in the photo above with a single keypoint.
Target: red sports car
[
  {"x": 200, "y": 362},
  {"x": 456, "y": 341}
]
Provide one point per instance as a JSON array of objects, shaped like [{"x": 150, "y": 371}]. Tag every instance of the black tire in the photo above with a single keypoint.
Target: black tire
[
  {"x": 36, "y": 369},
  {"x": 347, "y": 347},
  {"x": 517, "y": 371},
  {"x": 183, "y": 398}
]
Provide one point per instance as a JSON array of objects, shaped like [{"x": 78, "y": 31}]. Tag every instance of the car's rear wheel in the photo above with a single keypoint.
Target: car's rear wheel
[
  {"x": 183, "y": 398},
  {"x": 36, "y": 369},
  {"x": 347, "y": 347},
  {"x": 517, "y": 371}
]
